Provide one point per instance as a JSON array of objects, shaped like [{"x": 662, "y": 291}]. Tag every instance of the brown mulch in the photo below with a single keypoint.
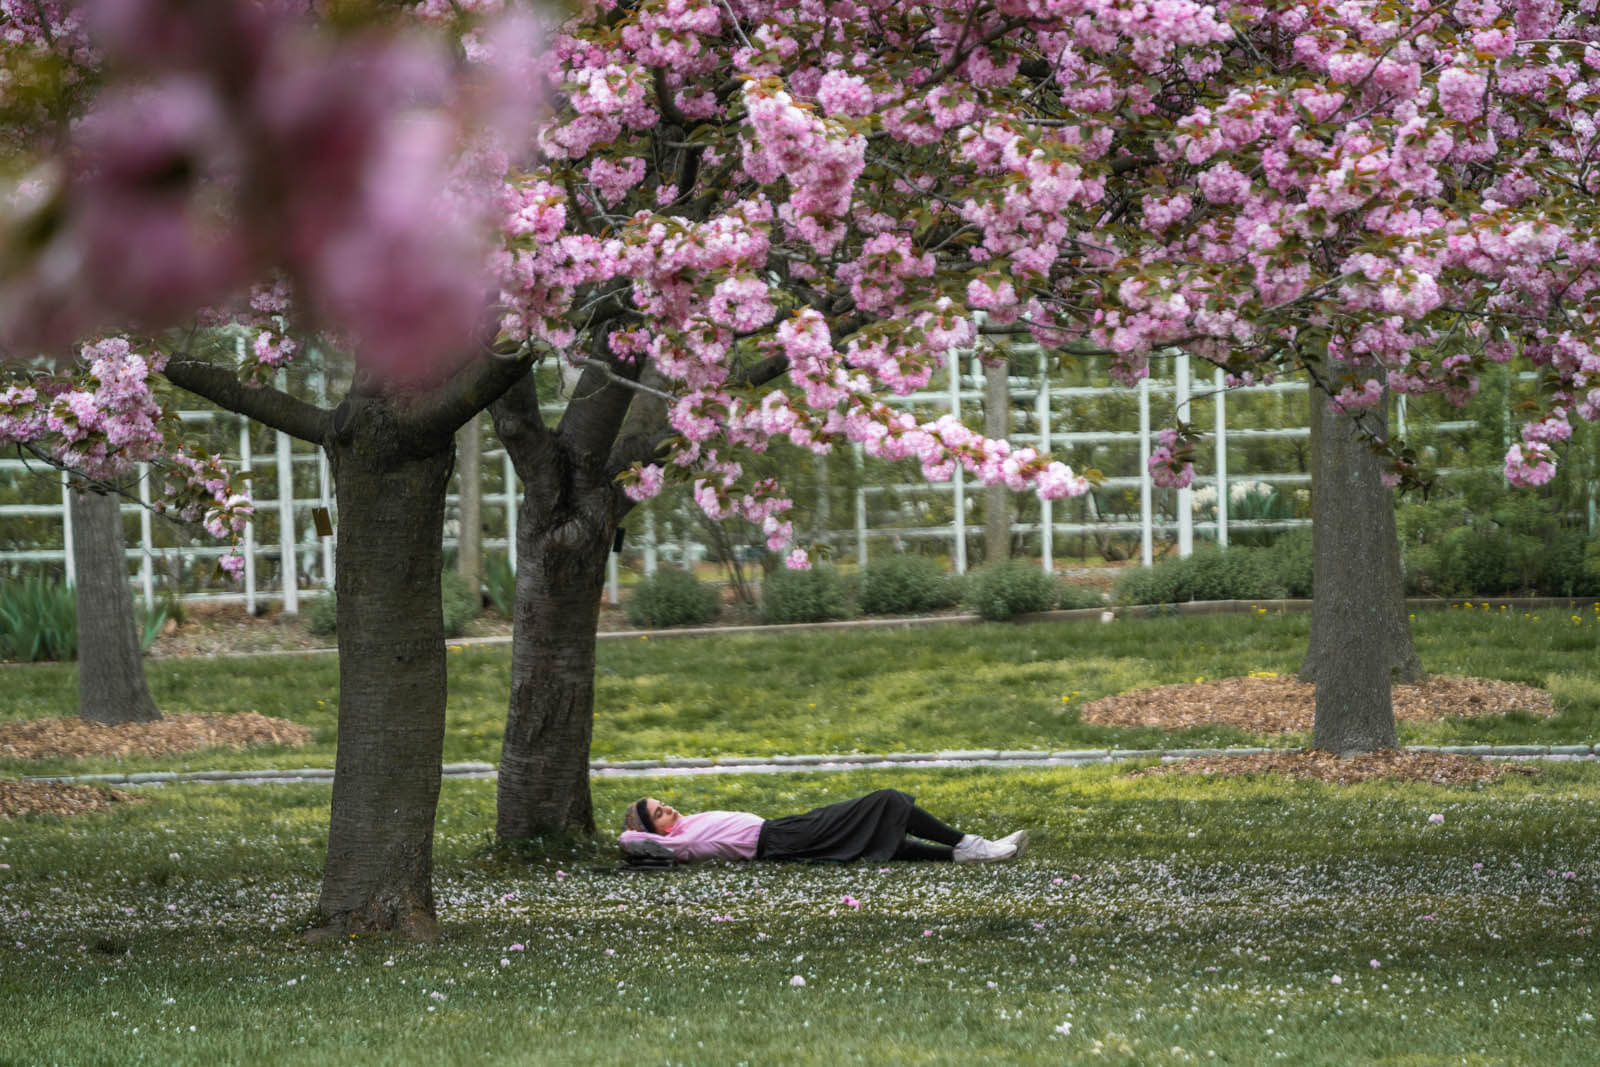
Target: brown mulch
[
  {"x": 1439, "y": 768},
  {"x": 75, "y": 738},
  {"x": 1279, "y": 705},
  {"x": 1270, "y": 705},
  {"x": 57, "y": 798}
]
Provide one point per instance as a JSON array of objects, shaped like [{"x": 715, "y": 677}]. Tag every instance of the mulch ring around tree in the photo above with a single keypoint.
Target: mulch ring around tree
[
  {"x": 175, "y": 734},
  {"x": 58, "y": 798},
  {"x": 78, "y": 738},
  {"x": 1273, "y": 704},
  {"x": 1437, "y": 768}
]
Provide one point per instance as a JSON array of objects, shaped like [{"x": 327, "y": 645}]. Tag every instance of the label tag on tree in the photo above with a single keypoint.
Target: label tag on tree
[{"x": 323, "y": 522}]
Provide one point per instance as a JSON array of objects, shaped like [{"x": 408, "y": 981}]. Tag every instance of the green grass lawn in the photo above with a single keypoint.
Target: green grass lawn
[
  {"x": 946, "y": 687},
  {"x": 1155, "y": 920}
]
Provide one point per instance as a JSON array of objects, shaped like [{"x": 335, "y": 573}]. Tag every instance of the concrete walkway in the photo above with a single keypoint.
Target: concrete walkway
[{"x": 794, "y": 764}]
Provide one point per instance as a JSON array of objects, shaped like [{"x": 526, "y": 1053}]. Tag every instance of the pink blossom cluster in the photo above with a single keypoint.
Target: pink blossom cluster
[
  {"x": 105, "y": 421},
  {"x": 233, "y": 137}
]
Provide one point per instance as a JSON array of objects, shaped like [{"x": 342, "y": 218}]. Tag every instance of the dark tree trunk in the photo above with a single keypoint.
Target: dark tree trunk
[
  {"x": 571, "y": 507},
  {"x": 391, "y": 690},
  {"x": 544, "y": 761},
  {"x": 391, "y": 456},
  {"x": 1360, "y": 642},
  {"x": 111, "y": 682}
]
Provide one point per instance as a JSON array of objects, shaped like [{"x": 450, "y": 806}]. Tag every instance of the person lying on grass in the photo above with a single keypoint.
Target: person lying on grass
[{"x": 886, "y": 825}]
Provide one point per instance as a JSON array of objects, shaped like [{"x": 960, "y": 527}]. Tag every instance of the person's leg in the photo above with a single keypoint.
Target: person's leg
[
  {"x": 921, "y": 824},
  {"x": 917, "y": 850}
]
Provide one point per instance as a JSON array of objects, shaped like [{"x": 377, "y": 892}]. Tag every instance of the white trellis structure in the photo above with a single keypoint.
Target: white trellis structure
[{"x": 306, "y": 559}]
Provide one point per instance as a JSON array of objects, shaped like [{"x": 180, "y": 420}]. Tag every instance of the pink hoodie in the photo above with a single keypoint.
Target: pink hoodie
[{"x": 729, "y": 835}]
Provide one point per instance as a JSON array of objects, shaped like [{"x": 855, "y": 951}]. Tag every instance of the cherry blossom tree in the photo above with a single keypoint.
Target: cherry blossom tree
[
  {"x": 751, "y": 221},
  {"x": 247, "y": 166},
  {"x": 1383, "y": 198}
]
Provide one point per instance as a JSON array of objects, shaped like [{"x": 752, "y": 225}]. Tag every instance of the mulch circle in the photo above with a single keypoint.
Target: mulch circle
[
  {"x": 57, "y": 798},
  {"x": 78, "y": 738},
  {"x": 1437, "y": 768},
  {"x": 1272, "y": 704}
]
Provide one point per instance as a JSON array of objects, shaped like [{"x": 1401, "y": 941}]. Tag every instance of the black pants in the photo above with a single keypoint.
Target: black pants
[{"x": 877, "y": 826}]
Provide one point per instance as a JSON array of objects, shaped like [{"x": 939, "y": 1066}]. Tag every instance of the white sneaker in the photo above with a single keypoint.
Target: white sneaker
[
  {"x": 973, "y": 849},
  {"x": 1018, "y": 842}
]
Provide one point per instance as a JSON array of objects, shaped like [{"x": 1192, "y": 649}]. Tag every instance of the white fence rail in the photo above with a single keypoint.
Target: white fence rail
[{"x": 306, "y": 560}]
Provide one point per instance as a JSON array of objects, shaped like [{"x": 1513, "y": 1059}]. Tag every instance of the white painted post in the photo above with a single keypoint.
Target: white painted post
[
  {"x": 649, "y": 541},
  {"x": 1222, "y": 458},
  {"x": 1041, "y": 407},
  {"x": 861, "y": 508},
  {"x": 1180, "y": 375},
  {"x": 146, "y": 543},
  {"x": 325, "y": 495},
  {"x": 1146, "y": 549},
  {"x": 959, "y": 486},
  {"x": 288, "y": 548},
  {"x": 246, "y": 458},
  {"x": 66, "y": 530},
  {"x": 325, "y": 490},
  {"x": 510, "y": 478}
]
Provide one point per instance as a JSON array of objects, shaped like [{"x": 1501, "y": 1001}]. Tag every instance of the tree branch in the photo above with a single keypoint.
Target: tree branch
[{"x": 265, "y": 404}]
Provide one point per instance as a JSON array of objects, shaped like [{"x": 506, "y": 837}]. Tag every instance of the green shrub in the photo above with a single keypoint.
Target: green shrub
[
  {"x": 322, "y": 614},
  {"x": 1000, "y": 590},
  {"x": 38, "y": 620},
  {"x": 905, "y": 585},
  {"x": 500, "y": 582},
  {"x": 461, "y": 601},
  {"x": 1211, "y": 573},
  {"x": 814, "y": 595},
  {"x": 1074, "y": 597},
  {"x": 1289, "y": 564},
  {"x": 672, "y": 597}
]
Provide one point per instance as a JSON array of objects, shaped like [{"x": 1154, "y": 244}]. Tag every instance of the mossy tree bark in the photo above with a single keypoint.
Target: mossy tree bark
[
  {"x": 391, "y": 453},
  {"x": 571, "y": 507},
  {"x": 1360, "y": 643},
  {"x": 111, "y": 683}
]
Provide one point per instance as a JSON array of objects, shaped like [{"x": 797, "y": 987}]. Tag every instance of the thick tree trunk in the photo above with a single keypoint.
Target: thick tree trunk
[
  {"x": 1360, "y": 642},
  {"x": 391, "y": 690},
  {"x": 111, "y": 682},
  {"x": 544, "y": 761}
]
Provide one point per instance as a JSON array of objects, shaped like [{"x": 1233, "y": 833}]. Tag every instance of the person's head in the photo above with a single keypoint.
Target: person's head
[{"x": 650, "y": 815}]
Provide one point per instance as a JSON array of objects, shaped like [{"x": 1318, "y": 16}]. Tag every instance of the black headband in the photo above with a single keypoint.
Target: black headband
[{"x": 642, "y": 808}]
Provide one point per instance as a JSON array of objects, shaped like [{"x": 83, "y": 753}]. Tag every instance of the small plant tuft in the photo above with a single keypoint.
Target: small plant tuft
[
  {"x": 461, "y": 601},
  {"x": 38, "y": 620},
  {"x": 672, "y": 597},
  {"x": 500, "y": 582}
]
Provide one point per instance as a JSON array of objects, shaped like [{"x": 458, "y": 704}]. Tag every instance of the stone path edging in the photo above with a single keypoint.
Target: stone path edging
[{"x": 789, "y": 764}]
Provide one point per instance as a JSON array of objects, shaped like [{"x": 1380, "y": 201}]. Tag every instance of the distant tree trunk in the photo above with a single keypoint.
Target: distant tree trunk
[
  {"x": 391, "y": 683},
  {"x": 996, "y": 498},
  {"x": 111, "y": 682},
  {"x": 1360, "y": 643}
]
